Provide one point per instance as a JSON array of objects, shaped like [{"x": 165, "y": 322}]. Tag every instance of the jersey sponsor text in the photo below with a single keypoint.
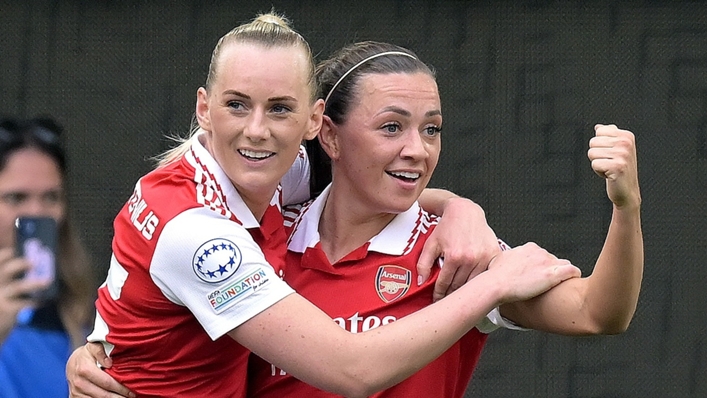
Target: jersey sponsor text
[{"x": 354, "y": 324}]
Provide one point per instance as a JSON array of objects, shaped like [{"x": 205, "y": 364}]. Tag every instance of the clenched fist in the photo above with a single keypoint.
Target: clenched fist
[{"x": 613, "y": 155}]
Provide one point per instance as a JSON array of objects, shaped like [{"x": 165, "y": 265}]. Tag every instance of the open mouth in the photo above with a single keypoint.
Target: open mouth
[
  {"x": 255, "y": 155},
  {"x": 404, "y": 175}
]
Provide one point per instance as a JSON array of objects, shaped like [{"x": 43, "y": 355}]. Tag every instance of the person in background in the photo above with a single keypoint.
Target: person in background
[
  {"x": 36, "y": 337},
  {"x": 193, "y": 284}
]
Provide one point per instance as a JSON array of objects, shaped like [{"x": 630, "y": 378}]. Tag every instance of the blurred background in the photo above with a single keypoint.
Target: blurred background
[{"x": 522, "y": 84}]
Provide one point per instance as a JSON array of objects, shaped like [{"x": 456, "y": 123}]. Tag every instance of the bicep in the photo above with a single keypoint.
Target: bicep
[{"x": 560, "y": 310}]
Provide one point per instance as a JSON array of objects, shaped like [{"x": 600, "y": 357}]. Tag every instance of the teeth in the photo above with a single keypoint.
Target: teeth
[
  {"x": 254, "y": 154},
  {"x": 405, "y": 174}
]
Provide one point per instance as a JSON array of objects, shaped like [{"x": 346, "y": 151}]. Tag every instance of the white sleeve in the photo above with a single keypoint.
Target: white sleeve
[
  {"x": 494, "y": 319},
  {"x": 212, "y": 266},
  {"x": 295, "y": 184}
]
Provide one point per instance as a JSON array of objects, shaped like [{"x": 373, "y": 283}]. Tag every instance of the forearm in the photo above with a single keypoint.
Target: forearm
[
  {"x": 9, "y": 309},
  {"x": 435, "y": 200},
  {"x": 614, "y": 286},
  {"x": 319, "y": 352},
  {"x": 426, "y": 334}
]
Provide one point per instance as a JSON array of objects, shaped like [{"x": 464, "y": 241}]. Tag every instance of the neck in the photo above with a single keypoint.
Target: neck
[
  {"x": 255, "y": 203},
  {"x": 346, "y": 224}
]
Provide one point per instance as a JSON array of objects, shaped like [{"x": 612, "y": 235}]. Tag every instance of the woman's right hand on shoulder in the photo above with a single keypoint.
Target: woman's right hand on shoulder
[
  {"x": 529, "y": 270},
  {"x": 86, "y": 379}
]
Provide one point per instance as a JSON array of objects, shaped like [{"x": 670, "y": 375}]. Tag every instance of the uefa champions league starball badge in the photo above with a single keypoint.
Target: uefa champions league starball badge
[{"x": 216, "y": 260}]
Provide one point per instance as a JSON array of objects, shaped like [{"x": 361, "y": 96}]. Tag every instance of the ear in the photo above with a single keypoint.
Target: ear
[
  {"x": 329, "y": 139},
  {"x": 202, "y": 109},
  {"x": 315, "y": 120}
]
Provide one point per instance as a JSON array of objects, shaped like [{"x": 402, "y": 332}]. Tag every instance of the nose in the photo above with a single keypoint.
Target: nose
[
  {"x": 414, "y": 146},
  {"x": 38, "y": 206},
  {"x": 257, "y": 129},
  {"x": 34, "y": 207}
]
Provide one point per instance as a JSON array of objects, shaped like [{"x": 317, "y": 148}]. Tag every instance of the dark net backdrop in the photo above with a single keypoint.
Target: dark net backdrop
[{"x": 522, "y": 84}]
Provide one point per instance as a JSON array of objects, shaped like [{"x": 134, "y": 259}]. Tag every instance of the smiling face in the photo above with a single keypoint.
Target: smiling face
[
  {"x": 388, "y": 147},
  {"x": 30, "y": 185},
  {"x": 256, "y": 113}
]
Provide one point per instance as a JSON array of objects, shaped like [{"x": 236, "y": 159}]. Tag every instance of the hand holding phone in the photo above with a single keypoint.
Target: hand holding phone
[{"x": 36, "y": 241}]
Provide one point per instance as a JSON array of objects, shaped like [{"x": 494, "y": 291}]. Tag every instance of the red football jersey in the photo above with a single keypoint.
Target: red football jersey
[
  {"x": 190, "y": 263},
  {"x": 371, "y": 286}
]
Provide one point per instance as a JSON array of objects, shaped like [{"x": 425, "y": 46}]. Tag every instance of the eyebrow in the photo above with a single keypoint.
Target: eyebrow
[
  {"x": 236, "y": 93},
  {"x": 406, "y": 113},
  {"x": 271, "y": 99},
  {"x": 284, "y": 98}
]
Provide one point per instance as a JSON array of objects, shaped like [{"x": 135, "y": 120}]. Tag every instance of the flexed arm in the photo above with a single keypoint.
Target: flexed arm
[{"x": 605, "y": 301}]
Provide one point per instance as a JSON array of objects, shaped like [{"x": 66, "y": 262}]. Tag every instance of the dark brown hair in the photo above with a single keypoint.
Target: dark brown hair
[
  {"x": 76, "y": 275},
  {"x": 329, "y": 73}
]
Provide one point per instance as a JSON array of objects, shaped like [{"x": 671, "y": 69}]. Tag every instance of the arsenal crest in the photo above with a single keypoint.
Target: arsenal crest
[{"x": 392, "y": 282}]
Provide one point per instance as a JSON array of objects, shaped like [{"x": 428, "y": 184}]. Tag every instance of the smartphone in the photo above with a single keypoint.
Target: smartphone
[{"x": 36, "y": 241}]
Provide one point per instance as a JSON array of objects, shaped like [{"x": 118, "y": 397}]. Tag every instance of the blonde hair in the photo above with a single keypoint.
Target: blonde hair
[{"x": 268, "y": 30}]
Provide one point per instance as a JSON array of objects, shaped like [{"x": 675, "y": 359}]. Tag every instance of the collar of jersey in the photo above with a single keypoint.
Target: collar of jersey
[
  {"x": 392, "y": 240},
  {"x": 235, "y": 203}
]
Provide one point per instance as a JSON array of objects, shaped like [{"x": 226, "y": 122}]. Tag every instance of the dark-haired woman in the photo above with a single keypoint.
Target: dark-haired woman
[
  {"x": 36, "y": 337},
  {"x": 351, "y": 250}
]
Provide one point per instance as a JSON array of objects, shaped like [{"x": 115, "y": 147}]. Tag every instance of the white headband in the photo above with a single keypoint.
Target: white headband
[{"x": 359, "y": 64}]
